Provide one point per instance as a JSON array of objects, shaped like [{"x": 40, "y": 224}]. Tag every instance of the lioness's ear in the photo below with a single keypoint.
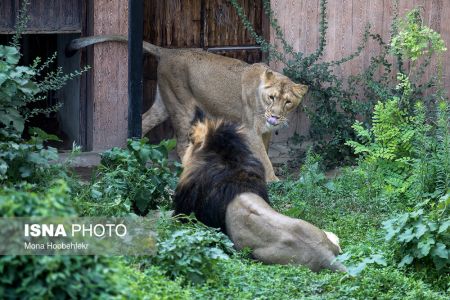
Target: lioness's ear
[
  {"x": 300, "y": 89},
  {"x": 268, "y": 75}
]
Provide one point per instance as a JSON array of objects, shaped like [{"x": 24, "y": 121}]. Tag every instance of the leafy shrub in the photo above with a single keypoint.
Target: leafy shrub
[
  {"x": 30, "y": 160},
  {"x": 414, "y": 39},
  {"x": 192, "y": 253},
  {"x": 16, "y": 88},
  {"x": 422, "y": 235},
  {"x": 56, "y": 277},
  {"x": 28, "y": 200},
  {"x": 45, "y": 277},
  {"x": 388, "y": 146},
  {"x": 135, "y": 179},
  {"x": 149, "y": 283},
  {"x": 19, "y": 86},
  {"x": 413, "y": 159}
]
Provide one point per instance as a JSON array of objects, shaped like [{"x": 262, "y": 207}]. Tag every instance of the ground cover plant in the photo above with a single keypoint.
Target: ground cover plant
[
  {"x": 390, "y": 208},
  {"x": 132, "y": 180}
]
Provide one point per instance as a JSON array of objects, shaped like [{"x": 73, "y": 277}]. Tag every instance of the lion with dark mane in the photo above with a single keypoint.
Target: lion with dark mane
[{"x": 224, "y": 185}]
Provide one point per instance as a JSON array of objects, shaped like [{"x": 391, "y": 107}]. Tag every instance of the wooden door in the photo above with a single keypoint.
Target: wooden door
[{"x": 209, "y": 24}]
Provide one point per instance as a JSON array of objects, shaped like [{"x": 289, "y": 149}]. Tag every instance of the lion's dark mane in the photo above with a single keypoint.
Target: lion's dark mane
[{"x": 229, "y": 168}]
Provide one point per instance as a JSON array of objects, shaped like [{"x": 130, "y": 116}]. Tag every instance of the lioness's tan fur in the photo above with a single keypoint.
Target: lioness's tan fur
[{"x": 221, "y": 87}]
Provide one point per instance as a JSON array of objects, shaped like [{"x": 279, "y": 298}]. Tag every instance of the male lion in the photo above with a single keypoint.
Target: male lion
[
  {"x": 223, "y": 184},
  {"x": 252, "y": 95}
]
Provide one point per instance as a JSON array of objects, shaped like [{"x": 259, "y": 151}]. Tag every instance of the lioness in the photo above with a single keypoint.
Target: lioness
[
  {"x": 253, "y": 95},
  {"x": 223, "y": 184}
]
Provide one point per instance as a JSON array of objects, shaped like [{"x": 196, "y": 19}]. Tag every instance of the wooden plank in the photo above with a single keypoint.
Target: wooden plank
[
  {"x": 46, "y": 16},
  {"x": 7, "y": 15},
  {"x": 110, "y": 68},
  {"x": 222, "y": 24}
]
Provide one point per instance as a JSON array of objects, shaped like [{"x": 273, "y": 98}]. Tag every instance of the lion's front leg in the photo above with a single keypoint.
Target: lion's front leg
[{"x": 258, "y": 148}]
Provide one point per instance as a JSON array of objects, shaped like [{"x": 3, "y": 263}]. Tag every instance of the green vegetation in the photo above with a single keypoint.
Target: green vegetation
[
  {"x": 390, "y": 209},
  {"x": 135, "y": 179}
]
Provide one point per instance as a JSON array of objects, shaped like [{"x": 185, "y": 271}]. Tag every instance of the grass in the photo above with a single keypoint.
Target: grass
[{"x": 358, "y": 224}]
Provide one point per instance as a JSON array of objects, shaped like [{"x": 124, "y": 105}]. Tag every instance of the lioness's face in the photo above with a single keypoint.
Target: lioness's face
[{"x": 281, "y": 96}]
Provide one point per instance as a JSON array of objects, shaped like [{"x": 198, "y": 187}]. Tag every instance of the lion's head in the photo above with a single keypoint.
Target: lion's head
[
  {"x": 280, "y": 96},
  {"x": 217, "y": 166}
]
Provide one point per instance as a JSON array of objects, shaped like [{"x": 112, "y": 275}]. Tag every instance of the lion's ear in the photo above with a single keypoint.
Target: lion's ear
[
  {"x": 300, "y": 89},
  {"x": 199, "y": 132}
]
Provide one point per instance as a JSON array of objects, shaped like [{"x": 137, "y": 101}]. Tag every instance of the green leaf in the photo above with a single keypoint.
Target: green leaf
[
  {"x": 25, "y": 171},
  {"x": 10, "y": 54},
  {"x": 29, "y": 88},
  {"x": 13, "y": 117},
  {"x": 43, "y": 135},
  {"x": 3, "y": 167},
  {"x": 37, "y": 158},
  {"x": 421, "y": 229},
  {"x": 424, "y": 247},
  {"x": 439, "y": 262},
  {"x": 406, "y": 236},
  {"x": 3, "y": 78},
  {"x": 356, "y": 270},
  {"x": 142, "y": 199},
  {"x": 407, "y": 260},
  {"x": 378, "y": 259},
  {"x": 169, "y": 144},
  {"x": 444, "y": 226},
  {"x": 440, "y": 250}
]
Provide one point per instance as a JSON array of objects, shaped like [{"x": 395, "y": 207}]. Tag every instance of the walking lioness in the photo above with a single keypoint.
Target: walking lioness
[{"x": 190, "y": 79}]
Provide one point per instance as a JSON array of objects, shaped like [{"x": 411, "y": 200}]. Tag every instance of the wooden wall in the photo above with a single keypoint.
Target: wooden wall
[
  {"x": 46, "y": 16},
  {"x": 347, "y": 19},
  {"x": 110, "y": 76}
]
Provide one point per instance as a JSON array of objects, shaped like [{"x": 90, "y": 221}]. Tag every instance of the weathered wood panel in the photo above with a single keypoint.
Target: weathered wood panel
[
  {"x": 109, "y": 72},
  {"x": 347, "y": 19},
  {"x": 46, "y": 16},
  {"x": 7, "y": 15},
  {"x": 172, "y": 23},
  {"x": 222, "y": 24}
]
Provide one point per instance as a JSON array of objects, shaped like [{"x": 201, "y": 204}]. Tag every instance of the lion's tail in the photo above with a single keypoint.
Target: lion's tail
[{"x": 80, "y": 43}]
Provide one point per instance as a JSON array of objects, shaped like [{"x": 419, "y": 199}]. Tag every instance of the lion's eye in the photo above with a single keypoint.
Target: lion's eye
[
  {"x": 288, "y": 103},
  {"x": 272, "y": 97}
]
